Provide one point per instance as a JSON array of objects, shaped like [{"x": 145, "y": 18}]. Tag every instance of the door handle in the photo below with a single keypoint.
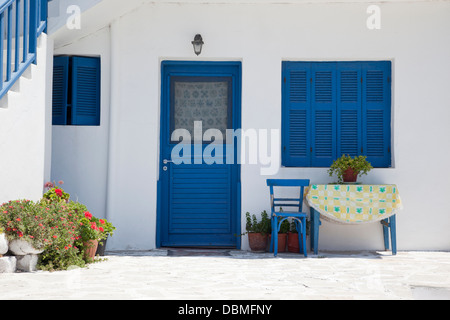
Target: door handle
[{"x": 165, "y": 161}]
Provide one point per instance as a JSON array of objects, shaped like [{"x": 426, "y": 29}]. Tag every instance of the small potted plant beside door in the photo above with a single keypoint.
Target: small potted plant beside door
[
  {"x": 348, "y": 169},
  {"x": 258, "y": 231}
]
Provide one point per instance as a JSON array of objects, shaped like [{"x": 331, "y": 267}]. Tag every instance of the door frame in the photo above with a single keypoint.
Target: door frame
[{"x": 185, "y": 68}]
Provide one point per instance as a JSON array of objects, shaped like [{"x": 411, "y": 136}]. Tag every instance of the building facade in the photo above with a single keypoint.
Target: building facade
[{"x": 261, "y": 63}]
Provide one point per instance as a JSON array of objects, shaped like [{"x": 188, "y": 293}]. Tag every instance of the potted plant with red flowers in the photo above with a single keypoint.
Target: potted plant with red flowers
[
  {"x": 90, "y": 235},
  {"x": 55, "y": 192},
  {"x": 347, "y": 168},
  {"x": 106, "y": 229},
  {"x": 21, "y": 221}
]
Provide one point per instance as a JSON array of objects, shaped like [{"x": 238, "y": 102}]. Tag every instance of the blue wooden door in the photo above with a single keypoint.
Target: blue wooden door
[{"x": 199, "y": 177}]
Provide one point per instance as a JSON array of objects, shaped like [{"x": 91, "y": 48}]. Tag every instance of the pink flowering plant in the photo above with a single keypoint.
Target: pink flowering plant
[
  {"x": 64, "y": 244},
  {"x": 22, "y": 220},
  {"x": 55, "y": 225},
  {"x": 90, "y": 228}
]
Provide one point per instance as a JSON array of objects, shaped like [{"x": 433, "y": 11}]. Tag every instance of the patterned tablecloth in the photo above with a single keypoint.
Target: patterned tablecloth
[{"x": 354, "y": 204}]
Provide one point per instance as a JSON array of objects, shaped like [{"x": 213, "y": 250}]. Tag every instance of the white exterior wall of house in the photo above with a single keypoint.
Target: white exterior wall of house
[
  {"x": 25, "y": 130},
  {"x": 114, "y": 168}
]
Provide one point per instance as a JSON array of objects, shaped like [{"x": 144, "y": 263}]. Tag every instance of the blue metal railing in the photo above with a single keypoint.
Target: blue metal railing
[{"x": 21, "y": 23}]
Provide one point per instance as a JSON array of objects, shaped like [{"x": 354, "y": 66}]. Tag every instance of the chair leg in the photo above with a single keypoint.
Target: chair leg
[
  {"x": 385, "y": 224},
  {"x": 392, "y": 226},
  {"x": 275, "y": 239},
  {"x": 299, "y": 228},
  {"x": 271, "y": 238},
  {"x": 304, "y": 236}
]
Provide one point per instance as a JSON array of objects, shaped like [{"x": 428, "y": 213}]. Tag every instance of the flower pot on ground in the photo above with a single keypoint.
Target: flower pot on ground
[
  {"x": 348, "y": 169},
  {"x": 257, "y": 241},
  {"x": 90, "y": 234},
  {"x": 90, "y": 249},
  {"x": 282, "y": 241},
  {"x": 106, "y": 229},
  {"x": 258, "y": 231},
  {"x": 101, "y": 247},
  {"x": 293, "y": 240},
  {"x": 282, "y": 236}
]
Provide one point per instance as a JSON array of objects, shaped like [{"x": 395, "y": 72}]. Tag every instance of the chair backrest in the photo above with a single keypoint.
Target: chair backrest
[{"x": 287, "y": 202}]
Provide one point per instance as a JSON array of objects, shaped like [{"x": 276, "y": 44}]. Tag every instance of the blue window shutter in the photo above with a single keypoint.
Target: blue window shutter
[
  {"x": 323, "y": 113},
  {"x": 376, "y": 112},
  {"x": 60, "y": 90},
  {"x": 85, "y": 91},
  {"x": 296, "y": 114},
  {"x": 349, "y": 109}
]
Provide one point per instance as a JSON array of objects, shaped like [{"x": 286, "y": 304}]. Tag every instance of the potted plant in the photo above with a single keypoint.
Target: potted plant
[
  {"x": 258, "y": 231},
  {"x": 55, "y": 192},
  {"x": 106, "y": 229},
  {"x": 292, "y": 241},
  {"x": 347, "y": 168},
  {"x": 23, "y": 226},
  {"x": 90, "y": 235},
  {"x": 282, "y": 235}
]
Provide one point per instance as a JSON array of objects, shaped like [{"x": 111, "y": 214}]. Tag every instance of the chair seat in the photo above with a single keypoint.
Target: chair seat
[{"x": 290, "y": 214}]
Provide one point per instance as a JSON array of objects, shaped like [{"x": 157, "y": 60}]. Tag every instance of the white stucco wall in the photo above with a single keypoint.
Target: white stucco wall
[
  {"x": 25, "y": 130},
  {"x": 79, "y": 154},
  {"x": 413, "y": 35}
]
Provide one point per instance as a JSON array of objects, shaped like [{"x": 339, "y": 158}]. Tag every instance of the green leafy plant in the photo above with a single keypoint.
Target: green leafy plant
[
  {"x": 65, "y": 246},
  {"x": 359, "y": 165},
  {"x": 258, "y": 226},
  {"x": 293, "y": 228},
  {"x": 284, "y": 227}
]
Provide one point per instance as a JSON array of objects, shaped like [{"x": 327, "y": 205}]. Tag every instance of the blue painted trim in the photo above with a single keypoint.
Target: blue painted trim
[
  {"x": 33, "y": 23},
  {"x": 158, "y": 213},
  {"x": 313, "y": 120},
  {"x": 85, "y": 67}
]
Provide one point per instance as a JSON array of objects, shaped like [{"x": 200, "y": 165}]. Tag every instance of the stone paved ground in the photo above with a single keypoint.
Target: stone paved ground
[{"x": 241, "y": 275}]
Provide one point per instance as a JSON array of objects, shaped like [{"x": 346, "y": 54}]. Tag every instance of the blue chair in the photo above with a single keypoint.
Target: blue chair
[{"x": 277, "y": 217}]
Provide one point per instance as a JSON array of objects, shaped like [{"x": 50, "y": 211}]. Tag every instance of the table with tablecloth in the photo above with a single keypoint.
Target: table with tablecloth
[{"x": 354, "y": 204}]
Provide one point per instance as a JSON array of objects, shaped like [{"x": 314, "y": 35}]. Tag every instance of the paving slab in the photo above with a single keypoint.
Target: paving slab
[{"x": 185, "y": 274}]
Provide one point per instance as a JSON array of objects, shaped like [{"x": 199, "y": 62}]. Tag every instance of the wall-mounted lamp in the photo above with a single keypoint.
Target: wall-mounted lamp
[{"x": 198, "y": 44}]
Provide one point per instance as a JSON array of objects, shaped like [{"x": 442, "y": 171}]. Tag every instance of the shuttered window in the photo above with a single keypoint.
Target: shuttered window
[
  {"x": 335, "y": 108},
  {"x": 76, "y": 91}
]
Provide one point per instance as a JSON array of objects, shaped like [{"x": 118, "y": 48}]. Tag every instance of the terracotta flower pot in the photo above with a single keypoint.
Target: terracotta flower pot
[
  {"x": 257, "y": 241},
  {"x": 350, "y": 175},
  {"x": 91, "y": 248},
  {"x": 293, "y": 245},
  {"x": 282, "y": 239}
]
